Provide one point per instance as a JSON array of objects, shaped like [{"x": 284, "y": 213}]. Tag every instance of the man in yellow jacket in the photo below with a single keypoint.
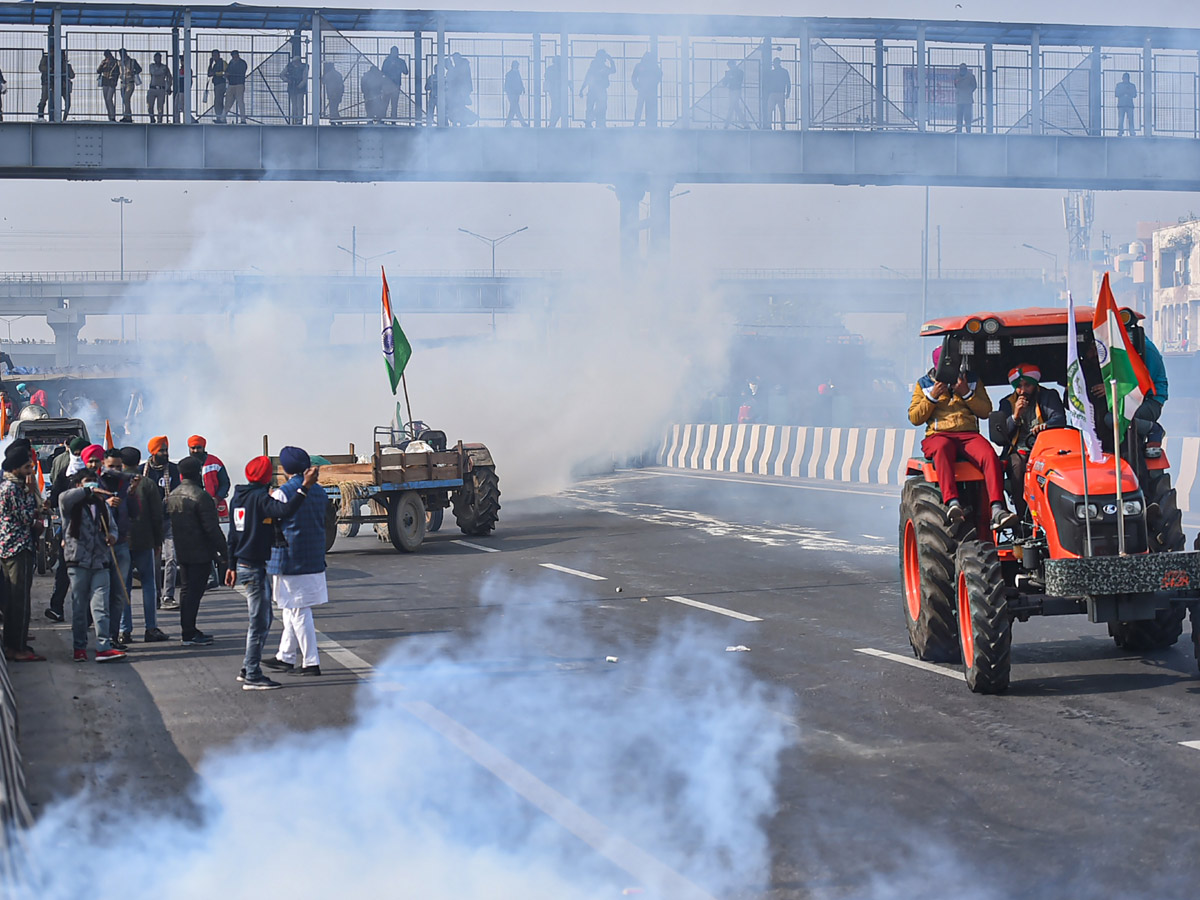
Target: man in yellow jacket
[{"x": 951, "y": 414}]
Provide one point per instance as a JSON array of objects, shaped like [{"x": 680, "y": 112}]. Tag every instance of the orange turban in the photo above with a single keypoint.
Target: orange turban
[
  {"x": 157, "y": 443},
  {"x": 196, "y": 441}
]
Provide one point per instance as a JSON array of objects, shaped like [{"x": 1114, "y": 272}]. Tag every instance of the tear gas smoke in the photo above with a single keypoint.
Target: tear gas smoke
[{"x": 675, "y": 750}]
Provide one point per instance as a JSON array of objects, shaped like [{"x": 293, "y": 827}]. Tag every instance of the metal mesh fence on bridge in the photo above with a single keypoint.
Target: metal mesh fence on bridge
[{"x": 851, "y": 84}]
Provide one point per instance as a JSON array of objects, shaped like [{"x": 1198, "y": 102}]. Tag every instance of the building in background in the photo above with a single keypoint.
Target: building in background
[{"x": 1176, "y": 295}]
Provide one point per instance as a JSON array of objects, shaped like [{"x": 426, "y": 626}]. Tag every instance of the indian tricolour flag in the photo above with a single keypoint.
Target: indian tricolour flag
[
  {"x": 396, "y": 348},
  {"x": 1118, "y": 360}
]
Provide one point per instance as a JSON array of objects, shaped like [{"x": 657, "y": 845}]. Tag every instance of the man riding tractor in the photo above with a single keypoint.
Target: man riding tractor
[
  {"x": 950, "y": 410},
  {"x": 1029, "y": 410}
]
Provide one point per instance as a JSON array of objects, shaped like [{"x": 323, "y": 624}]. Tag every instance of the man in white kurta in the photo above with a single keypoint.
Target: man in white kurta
[{"x": 297, "y": 570}]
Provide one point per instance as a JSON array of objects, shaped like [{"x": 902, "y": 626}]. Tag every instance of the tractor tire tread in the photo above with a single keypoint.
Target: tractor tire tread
[
  {"x": 934, "y": 635},
  {"x": 991, "y": 623}
]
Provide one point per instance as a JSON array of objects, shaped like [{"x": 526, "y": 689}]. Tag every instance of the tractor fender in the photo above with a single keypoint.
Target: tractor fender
[{"x": 477, "y": 455}]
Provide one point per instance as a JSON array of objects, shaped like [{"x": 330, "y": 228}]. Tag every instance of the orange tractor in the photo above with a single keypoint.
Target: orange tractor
[{"x": 964, "y": 584}]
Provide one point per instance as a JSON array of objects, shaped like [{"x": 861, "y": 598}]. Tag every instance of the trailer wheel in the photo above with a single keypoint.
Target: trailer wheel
[
  {"x": 331, "y": 526},
  {"x": 406, "y": 522},
  {"x": 1166, "y": 536},
  {"x": 350, "y": 529},
  {"x": 927, "y": 544},
  {"x": 434, "y": 521},
  {"x": 984, "y": 625},
  {"x": 477, "y": 502}
]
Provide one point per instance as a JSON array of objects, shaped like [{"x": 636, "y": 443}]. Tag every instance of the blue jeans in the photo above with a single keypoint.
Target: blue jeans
[
  {"x": 255, "y": 585},
  {"x": 89, "y": 588},
  {"x": 117, "y": 589},
  {"x": 143, "y": 562}
]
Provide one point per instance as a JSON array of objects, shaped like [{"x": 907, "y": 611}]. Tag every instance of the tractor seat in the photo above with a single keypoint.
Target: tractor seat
[{"x": 963, "y": 470}]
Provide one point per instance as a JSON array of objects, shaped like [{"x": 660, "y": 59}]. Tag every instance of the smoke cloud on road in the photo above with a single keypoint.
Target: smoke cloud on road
[{"x": 674, "y": 751}]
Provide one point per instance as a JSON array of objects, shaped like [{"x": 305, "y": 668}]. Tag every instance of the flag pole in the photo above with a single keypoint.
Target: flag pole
[
  {"x": 404, "y": 381},
  {"x": 1117, "y": 457},
  {"x": 1087, "y": 518}
]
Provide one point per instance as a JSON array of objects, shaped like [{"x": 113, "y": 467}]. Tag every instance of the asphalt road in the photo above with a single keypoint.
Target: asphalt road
[{"x": 893, "y": 780}]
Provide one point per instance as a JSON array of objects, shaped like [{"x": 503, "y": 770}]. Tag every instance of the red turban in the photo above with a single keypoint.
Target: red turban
[
  {"x": 196, "y": 441},
  {"x": 157, "y": 443},
  {"x": 258, "y": 470},
  {"x": 91, "y": 453}
]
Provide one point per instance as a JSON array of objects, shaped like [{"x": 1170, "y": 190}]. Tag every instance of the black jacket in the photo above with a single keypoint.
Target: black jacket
[
  {"x": 253, "y": 515},
  {"x": 1012, "y": 435},
  {"x": 166, "y": 480},
  {"x": 194, "y": 522}
]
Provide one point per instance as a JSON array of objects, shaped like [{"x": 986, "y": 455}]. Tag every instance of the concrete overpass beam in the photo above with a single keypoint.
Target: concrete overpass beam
[
  {"x": 660, "y": 225},
  {"x": 66, "y": 326}
]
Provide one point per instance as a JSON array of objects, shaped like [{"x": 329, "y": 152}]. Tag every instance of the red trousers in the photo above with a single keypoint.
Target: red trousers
[{"x": 947, "y": 447}]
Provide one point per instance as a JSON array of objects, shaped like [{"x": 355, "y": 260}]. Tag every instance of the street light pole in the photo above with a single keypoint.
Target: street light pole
[
  {"x": 121, "y": 202},
  {"x": 1053, "y": 256},
  {"x": 355, "y": 259},
  {"x": 494, "y": 241}
]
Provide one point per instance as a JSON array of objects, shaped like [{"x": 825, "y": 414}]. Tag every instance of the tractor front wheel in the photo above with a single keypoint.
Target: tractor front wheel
[
  {"x": 984, "y": 625},
  {"x": 927, "y": 544}
]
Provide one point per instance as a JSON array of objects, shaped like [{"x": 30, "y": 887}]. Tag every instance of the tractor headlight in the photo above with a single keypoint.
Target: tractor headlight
[
  {"x": 991, "y": 326},
  {"x": 1087, "y": 511},
  {"x": 1132, "y": 507}
]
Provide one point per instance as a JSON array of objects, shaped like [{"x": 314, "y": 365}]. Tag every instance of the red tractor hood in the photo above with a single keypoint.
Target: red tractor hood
[{"x": 1058, "y": 458}]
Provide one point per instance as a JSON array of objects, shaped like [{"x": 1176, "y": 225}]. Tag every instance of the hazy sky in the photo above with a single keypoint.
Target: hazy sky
[{"x": 72, "y": 226}]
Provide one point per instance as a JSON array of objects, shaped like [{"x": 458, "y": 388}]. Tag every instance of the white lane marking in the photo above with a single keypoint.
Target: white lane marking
[
  {"x": 915, "y": 663},
  {"x": 795, "y": 487},
  {"x": 477, "y": 546},
  {"x": 588, "y": 575},
  {"x": 608, "y": 843},
  {"x": 347, "y": 659},
  {"x": 769, "y": 535},
  {"x": 732, "y": 613},
  {"x": 1191, "y": 745}
]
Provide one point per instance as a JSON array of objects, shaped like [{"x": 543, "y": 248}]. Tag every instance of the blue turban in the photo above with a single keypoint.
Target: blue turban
[{"x": 294, "y": 460}]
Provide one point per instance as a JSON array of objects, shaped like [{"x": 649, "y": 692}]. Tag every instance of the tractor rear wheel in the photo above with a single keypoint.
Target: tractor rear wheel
[
  {"x": 1150, "y": 634},
  {"x": 477, "y": 503},
  {"x": 927, "y": 545},
  {"x": 984, "y": 625},
  {"x": 1165, "y": 526},
  {"x": 406, "y": 522}
]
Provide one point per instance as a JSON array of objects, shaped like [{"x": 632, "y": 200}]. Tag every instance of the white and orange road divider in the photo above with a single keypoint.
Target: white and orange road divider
[{"x": 847, "y": 455}]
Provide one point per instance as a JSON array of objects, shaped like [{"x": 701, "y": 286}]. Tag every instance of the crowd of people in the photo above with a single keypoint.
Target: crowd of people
[{"x": 114, "y": 515}]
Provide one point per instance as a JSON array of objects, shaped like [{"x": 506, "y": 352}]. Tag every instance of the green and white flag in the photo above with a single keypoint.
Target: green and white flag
[{"x": 1080, "y": 414}]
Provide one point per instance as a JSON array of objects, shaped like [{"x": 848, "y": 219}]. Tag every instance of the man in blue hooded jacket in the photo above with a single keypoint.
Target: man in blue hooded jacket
[
  {"x": 253, "y": 517},
  {"x": 297, "y": 570}
]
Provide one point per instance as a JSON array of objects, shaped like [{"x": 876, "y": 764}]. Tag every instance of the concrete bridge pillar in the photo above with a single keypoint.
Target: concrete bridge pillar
[
  {"x": 629, "y": 195},
  {"x": 66, "y": 326},
  {"x": 318, "y": 327}
]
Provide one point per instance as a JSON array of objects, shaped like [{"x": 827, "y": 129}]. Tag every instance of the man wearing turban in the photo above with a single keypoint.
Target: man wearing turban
[
  {"x": 1018, "y": 420},
  {"x": 164, "y": 473},
  {"x": 19, "y": 528},
  {"x": 297, "y": 570}
]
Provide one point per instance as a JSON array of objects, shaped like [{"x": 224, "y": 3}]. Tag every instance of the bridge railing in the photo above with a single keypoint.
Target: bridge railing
[{"x": 820, "y": 74}]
